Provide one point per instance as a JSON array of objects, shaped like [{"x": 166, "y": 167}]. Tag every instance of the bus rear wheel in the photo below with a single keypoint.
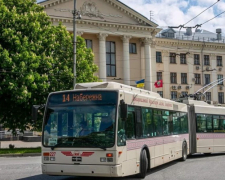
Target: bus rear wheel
[
  {"x": 184, "y": 151},
  {"x": 143, "y": 164}
]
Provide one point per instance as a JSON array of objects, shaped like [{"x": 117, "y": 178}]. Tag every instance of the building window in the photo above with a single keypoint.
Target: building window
[
  {"x": 196, "y": 59},
  {"x": 173, "y": 58},
  {"x": 173, "y": 94},
  {"x": 207, "y": 78},
  {"x": 88, "y": 43},
  {"x": 158, "y": 57},
  {"x": 184, "y": 93},
  {"x": 173, "y": 78},
  {"x": 183, "y": 59},
  {"x": 197, "y": 78},
  {"x": 133, "y": 48},
  {"x": 221, "y": 97},
  {"x": 219, "y": 61},
  {"x": 220, "y": 79},
  {"x": 206, "y": 60},
  {"x": 160, "y": 93},
  {"x": 208, "y": 96},
  {"x": 183, "y": 78},
  {"x": 111, "y": 59},
  {"x": 159, "y": 76},
  {"x": 170, "y": 35}
]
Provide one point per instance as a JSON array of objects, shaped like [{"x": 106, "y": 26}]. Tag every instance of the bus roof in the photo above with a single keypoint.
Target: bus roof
[{"x": 117, "y": 86}]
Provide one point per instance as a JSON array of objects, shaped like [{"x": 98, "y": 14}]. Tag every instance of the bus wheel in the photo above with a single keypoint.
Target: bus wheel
[
  {"x": 143, "y": 164},
  {"x": 184, "y": 151}
]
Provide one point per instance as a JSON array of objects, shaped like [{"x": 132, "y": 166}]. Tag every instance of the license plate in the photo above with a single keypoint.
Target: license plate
[{"x": 77, "y": 159}]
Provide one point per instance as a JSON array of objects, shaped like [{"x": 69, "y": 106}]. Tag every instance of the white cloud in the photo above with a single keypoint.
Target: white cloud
[{"x": 177, "y": 12}]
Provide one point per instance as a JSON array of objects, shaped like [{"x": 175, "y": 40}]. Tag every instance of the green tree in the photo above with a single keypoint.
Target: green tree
[{"x": 35, "y": 58}]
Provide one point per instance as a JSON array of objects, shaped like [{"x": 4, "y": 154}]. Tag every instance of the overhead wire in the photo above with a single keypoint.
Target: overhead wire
[{"x": 202, "y": 12}]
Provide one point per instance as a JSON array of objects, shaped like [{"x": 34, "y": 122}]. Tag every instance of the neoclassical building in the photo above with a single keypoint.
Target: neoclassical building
[{"x": 129, "y": 47}]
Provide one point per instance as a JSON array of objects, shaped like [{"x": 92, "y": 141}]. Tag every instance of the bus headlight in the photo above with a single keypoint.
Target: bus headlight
[{"x": 102, "y": 159}]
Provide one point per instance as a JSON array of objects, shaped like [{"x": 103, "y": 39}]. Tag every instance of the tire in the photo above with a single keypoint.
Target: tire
[
  {"x": 143, "y": 165},
  {"x": 184, "y": 151}
]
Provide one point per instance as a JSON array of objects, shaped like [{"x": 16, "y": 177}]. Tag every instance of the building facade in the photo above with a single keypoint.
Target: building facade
[{"x": 129, "y": 47}]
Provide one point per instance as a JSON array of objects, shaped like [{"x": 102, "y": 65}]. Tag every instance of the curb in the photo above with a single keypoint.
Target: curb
[{"x": 20, "y": 155}]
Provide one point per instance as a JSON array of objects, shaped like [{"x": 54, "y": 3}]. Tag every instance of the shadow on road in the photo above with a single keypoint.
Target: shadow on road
[{"x": 207, "y": 155}]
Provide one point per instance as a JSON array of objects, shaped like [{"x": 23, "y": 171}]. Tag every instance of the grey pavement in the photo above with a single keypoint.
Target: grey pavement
[
  {"x": 19, "y": 144},
  {"x": 197, "y": 167}
]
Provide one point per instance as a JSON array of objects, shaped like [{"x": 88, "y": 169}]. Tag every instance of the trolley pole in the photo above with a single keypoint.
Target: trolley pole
[{"x": 74, "y": 44}]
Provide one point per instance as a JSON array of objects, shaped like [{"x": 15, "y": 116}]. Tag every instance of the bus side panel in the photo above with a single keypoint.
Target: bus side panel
[
  {"x": 159, "y": 154},
  {"x": 219, "y": 142},
  {"x": 205, "y": 142}
]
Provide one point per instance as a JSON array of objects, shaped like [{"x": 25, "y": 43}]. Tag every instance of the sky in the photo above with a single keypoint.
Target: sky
[{"x": 178, "y": 12}]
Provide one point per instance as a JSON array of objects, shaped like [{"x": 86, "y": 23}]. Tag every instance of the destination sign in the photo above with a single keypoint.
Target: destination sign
[
  {"x": 81, "y": 97},
  {"x": 85, "y": 97}
]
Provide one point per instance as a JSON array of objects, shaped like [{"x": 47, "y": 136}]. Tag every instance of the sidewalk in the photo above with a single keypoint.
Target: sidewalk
[{"x": 20, "y": 144}]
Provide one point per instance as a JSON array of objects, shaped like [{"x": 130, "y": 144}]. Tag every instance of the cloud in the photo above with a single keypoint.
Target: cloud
[{"x": 177, "y": 12}]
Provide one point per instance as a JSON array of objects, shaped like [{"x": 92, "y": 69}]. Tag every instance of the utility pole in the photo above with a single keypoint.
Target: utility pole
[
  {"x": 151, "y": 15},
  {"x": 74, "y": 44}
]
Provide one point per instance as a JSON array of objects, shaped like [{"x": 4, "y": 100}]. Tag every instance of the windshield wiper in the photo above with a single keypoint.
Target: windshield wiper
[
  {"x": 57, "y": 145},
  {"x": 87, "y": 140}
]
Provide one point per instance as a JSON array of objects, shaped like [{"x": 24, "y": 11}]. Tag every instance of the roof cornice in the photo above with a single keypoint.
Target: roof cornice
[
  {"x": 107, "y": 24},
  {"x": 171, "y": 42}
]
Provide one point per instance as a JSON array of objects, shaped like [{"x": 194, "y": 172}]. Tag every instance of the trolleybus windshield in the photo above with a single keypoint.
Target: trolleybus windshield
[{"x": 85, "y": 120}]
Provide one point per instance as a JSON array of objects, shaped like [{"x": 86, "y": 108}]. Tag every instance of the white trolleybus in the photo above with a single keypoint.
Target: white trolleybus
[
  {"x": 114, "y": 130},
  {"x": 207, "y": 127}
]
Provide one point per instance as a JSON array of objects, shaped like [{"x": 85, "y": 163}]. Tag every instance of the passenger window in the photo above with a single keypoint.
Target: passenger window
[
  {"x": 147, "y": 123},
  {"x": 129, "y": 126},
  {"x": 184, "y": 123},
  {"x": 218, "y": 124},
  {"x": 157, "y": 118},
  {"x": 166, "y": 123},
  {"x": 204, "y": 123},
  {"x": 176, "y": 123}
]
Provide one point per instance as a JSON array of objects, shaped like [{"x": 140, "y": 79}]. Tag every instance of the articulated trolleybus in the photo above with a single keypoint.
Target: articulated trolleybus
[{"x": 111, "y": 130}]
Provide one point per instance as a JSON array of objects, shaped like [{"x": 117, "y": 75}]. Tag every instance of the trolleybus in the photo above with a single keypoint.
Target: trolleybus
[{"x": 111, "y": 130}]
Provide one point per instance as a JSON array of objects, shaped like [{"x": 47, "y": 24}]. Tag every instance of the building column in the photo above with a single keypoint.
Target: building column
[
  {"x": 153, "y": 77},
  {"x": 166, "y": 74},
  {"x": 191, "y": 76},
  {"x": 126, "y": 60},
  {"x": 147, "y": 42},
  {"x": 214, "y": 77},
  {"x": 102, "y": 57}
]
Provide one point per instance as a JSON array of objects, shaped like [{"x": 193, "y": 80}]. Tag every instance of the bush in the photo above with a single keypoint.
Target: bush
[{"x": 11, "y": 146}]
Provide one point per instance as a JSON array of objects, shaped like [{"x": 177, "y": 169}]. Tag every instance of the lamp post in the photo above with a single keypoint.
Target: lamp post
[{"x": 74, "y": 44}]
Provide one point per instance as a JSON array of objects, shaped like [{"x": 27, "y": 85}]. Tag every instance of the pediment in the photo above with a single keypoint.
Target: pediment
[{"x": 97, "y": 10}]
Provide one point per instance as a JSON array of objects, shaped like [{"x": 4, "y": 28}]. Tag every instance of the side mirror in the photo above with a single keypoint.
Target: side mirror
[
  {"x": 123, "y": 110},
  {"x": 35, "y": 112}
]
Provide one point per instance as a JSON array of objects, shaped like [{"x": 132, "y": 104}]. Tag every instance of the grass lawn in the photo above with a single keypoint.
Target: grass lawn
[{"x": 20, "y": 150}]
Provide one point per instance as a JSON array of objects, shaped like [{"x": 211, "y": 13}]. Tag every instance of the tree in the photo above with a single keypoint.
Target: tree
[{"x": 35, "y": 58}]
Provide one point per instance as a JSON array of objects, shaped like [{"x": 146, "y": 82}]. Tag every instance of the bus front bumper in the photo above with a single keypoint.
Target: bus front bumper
[{"x": 82, "y": 170}]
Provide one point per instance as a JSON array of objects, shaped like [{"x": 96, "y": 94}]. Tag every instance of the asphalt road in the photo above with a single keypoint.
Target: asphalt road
[{"x": 197, "y": 167}]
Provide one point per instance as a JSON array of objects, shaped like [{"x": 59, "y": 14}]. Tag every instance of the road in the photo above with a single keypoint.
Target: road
[{"x": 197, "y": 167}]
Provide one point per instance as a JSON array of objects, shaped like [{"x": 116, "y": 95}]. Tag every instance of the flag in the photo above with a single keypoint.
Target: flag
[
  {"x": 159, "y": 84},
  {"x": 140, "y": 83}
]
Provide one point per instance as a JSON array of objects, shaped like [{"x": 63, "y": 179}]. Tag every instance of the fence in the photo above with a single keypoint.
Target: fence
[
  {"x": 193, "y": 38},
  {"x": 9, "y": 136}
]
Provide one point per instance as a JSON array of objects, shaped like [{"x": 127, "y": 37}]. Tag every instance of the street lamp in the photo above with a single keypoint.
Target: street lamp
[{"x": 76, "y": 14}]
